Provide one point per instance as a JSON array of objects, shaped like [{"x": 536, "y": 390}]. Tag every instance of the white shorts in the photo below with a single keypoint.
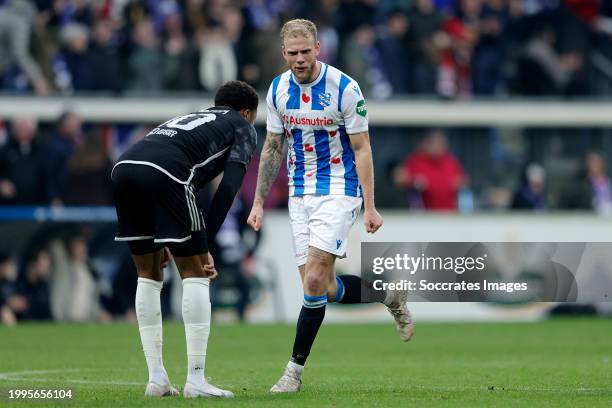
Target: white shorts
[{"x": 322, "y": 221}]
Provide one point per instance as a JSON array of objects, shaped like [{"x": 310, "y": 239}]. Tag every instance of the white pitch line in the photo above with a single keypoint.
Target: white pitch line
[{"x": 18, "y": 376}]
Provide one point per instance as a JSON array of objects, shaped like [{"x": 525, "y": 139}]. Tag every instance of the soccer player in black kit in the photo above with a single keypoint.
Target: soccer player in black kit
[{"x": 154, "y": 185}]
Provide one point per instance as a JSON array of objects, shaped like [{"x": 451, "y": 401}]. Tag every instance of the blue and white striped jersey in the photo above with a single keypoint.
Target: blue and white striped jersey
[{"x": 317, "y": 119}]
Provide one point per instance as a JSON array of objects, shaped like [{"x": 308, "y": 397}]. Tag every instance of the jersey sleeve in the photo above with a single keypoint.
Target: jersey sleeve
[
  {"x": 244, "y": 145},
  {"x": 274, "y": 124},
  {"x": 354, "y": 109}
]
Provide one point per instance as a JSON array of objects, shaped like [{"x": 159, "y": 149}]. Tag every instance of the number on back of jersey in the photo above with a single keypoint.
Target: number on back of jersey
[{"x": 185, "y": 122}]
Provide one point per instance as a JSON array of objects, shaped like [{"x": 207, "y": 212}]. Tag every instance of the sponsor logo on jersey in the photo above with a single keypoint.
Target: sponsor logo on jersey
[
  {"x": 361, "y": 108},
  {"x": 338, "y": 243},
  {"x": 316, "y": 121},
  {"x": 356, "y": 90}
]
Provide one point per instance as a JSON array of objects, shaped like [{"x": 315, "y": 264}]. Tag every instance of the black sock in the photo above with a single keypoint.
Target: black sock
[
  {"x": 307, "y": 327},
  {"x": 357, "y": 290}
]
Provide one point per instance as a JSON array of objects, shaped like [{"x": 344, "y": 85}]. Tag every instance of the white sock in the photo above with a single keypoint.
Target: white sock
[
  {"x": 295, "y": 366},
  {"x": 148, "y": 313},
  {"x": 196, "y": 316}
]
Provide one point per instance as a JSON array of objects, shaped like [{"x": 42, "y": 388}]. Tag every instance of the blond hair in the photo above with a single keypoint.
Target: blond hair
[{"x": 298, "y": 28}]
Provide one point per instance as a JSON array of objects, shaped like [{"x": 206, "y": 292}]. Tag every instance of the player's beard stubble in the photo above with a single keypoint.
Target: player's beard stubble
[{"x": 305, "y": 75}]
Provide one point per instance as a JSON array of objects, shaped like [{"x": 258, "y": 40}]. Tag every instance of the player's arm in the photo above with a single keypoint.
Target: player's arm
[
  {"x": 224, "y": 197},
  {"x": 269, "y": 163},
  {"x": 360, "y": 142}
]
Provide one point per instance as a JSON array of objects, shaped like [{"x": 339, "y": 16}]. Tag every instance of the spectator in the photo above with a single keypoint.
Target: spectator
[
  {"x": 22, "y": 167},
  {"x": 364, "y": 63},
  {"x": 33, "y": 287},
  {"x": 89, "y": 168},
  {"x": 530, "y": 195},
  {"x": 455, "y": 69},
  {"x": 75, "y": 294},
  {"x": 433, "y": 172},
  {"x": 217, "y": 60},
  {"x": 424, "y": 42},
  {"x": 146, "y": 64},
  {"x": 8, "y": 275},
  {"x": 16, "y": 19},
  {"x": 591, "y": 189},
  {"x": 75, "y": 59},
  {"x": 490, "y": 52},
  {"x": 179, "y": 52},
  {"x": 104, "y": 60},
  {"x": 542, "y": 70},
  {"x": 61, "y": 148},
  {"x": 390, "y": 44},
  {"x": 599, "y": 182}
]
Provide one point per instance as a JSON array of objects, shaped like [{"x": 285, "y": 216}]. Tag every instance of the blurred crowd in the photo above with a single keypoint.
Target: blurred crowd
[
  {"x": 455, "y": 49},
  {"x": 452, "y": 48},
  {"x": 68, "y": 163},
  {"x": 75, "y": 272}
]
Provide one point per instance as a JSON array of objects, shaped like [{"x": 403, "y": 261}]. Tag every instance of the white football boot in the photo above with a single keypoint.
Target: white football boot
[
  {"x": 160, "y": 390},
  {"x": 401, "y": 314},
  {"x": 207, "y": 390},
  {"x": 290, "y": 381}
]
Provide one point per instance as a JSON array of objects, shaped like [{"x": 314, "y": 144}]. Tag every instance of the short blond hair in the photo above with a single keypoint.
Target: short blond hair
[{"x": 298, "y": 28}]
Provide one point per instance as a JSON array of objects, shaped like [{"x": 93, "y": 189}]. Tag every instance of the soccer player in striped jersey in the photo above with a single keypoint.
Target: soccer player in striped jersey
[{"x": 321, "y": 113}]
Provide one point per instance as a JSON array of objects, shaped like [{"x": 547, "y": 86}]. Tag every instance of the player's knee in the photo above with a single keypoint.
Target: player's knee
[
  {"x": 190, "y": 267},
  {"x": 315, "y": 283}
]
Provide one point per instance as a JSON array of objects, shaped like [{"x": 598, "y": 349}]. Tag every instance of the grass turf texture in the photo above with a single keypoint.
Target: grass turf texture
[{"x": 551, "y": 363}]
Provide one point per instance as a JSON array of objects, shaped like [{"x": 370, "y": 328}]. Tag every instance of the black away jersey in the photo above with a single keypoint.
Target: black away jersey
[{"x": 193, "y": 148}]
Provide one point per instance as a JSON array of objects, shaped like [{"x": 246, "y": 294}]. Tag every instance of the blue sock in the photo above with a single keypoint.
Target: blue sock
[{"x": 340, "y": 291}]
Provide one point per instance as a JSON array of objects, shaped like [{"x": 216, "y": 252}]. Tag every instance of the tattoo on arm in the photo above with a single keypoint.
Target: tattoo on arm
[{"x": 269, "y": 164}]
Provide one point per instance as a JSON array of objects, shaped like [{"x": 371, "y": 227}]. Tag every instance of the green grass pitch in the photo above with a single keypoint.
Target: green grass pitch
[{"x": 550, "y": 363}]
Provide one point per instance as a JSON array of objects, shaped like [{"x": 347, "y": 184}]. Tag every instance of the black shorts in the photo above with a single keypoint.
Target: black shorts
[{"x": 156, "y": 211}]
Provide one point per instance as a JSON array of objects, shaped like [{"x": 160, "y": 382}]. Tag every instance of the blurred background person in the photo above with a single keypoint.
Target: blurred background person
[
  {"x": 146, "y": 66},
  {"x": 33, "y": 287},
  {"x": 434, "y": 173},
  {"x": 73, "y": 59},
  {"x": 590, "y": 189},
  {"x": 531, "y": 193},
  {"x": 424, "y": 42},
  {"x": 23, "y": 176},
  {"x": 17, "y": 18},
  {"x": 75, "y": 292},
  {"x": 8, "y": 276},
  {"x": 62, "y": 147},
  {"x": 599, "y": 183}
]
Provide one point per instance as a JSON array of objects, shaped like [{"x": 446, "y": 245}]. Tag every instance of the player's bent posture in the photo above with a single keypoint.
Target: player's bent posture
[
  {"x": 154, "y": 185},
  {"x": 321, "y": 113}
]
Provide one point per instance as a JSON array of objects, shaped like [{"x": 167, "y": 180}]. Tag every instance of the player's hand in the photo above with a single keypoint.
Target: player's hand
[
  {"x": 256, "y": 217},
  {"x": 372, "y": 220},
  {"x": 209, "y": 268}
]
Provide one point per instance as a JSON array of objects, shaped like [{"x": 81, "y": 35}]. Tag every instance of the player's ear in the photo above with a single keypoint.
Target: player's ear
[{"x": 248, "y": 114}]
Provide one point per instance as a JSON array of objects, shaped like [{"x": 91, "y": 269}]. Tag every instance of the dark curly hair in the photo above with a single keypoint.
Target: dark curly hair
[{"x": 237, "y": 95}]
